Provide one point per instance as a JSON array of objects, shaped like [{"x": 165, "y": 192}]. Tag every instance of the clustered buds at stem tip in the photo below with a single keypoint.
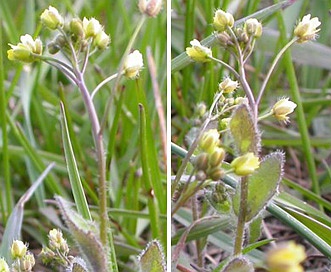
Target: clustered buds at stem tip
[
  {"x": 209, "y": 140},
  {"x": 222, "y": 20},
  {"x": 133, "y": 64},
  {"x": 228, "y": 85},
  {"x": 245, "y": 164},
  {"x": 197, "y": 52},
  {"x": 283, "y": 108},
  {"x": 150, "y": 7},
  {"x": 286, "y": 258},
  {"x": 253, "y": 27},
  {"x": 307, "y": 28},
  {"x": 51, "y": 18}
]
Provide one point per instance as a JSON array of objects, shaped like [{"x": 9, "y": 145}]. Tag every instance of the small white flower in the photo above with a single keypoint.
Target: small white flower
[
  {"x": 228, "y": 85},
  {"x": 283, "y": 108},
  {"x": 307, "y": 28},
  {"x": 133, "y": 64}
]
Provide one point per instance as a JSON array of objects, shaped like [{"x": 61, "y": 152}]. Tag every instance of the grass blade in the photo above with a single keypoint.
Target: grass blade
[{"x": 76, "y": 184}]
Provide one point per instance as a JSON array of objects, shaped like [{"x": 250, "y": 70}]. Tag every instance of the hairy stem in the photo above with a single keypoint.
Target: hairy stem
[{"x": 240, "y": 231}]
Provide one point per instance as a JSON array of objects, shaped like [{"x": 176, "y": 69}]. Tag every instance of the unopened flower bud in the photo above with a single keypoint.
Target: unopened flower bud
[
  {"x": 150, "y": 7},
  {"x": 57, "y": 242},
  {"x": 201, "y": 175},
  {"x": 216, "y": 158},
  {"x": 53, "y": 48},
  {"x": 224, "y": 39},
  {"x": 92, "y": 27},
  {"x": 51, "y": 18},
  {"x": 201, "y": 161},
  {"x": 133, "y": 64},
  {"x": 240, "y": 100},
  {"x": 253, "y": 28},
  {"x": 27, "y": 263},
  {"x": 286, "y": 258},
  {"x": 197, "y": 52},
  {"x": 224, "y": 123},
  {"x": 222, "y": 20},
  {"x": 228, "y": 85},
  {"x": 201, "y": 109},
  {"x": 283, "y": 108},
  {"x": 102, "y": 40},
  {"x": 18, "y": 249},
  {"x": 3, "y": 265},
  {"x": 242, "y": 36},
  {"x": 215, "y": 173},
  {"x": 76, "y": 28},
  {"x": 209, "y": 140},
  {"x": 245, "y": 164}
]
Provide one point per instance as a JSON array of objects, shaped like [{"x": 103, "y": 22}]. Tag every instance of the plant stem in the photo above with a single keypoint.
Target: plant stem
[
  {"x": 98, "y": 141},
  {"x": 241, "y": 217},
  {"x": 273, "y": 65}
]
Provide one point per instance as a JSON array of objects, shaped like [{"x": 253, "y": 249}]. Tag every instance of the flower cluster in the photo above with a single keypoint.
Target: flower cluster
[
  {"x": 209, "y": 161},
  {"x": 23, "y": 259},
  {"x": 57, "y": 251}
]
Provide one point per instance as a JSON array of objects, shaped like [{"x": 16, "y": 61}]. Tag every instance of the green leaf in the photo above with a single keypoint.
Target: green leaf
[
  {"x": 239, "y": 264},
  {"x": 262, "y": 185},
  {"x": 14, "y": 224},
  {"x": 76, "y": 184},
  {"x": 86, "y": 235},
  {"x": 152, "y": 258},
  {"x": 255, "y": 229},
  {"x": 244, "y": 130}
]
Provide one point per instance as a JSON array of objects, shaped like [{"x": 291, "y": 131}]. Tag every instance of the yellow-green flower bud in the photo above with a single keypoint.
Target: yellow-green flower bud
[
  {"x": 91, "y": 27},
  {"x": 286, "y": 258},
  {"x": 253, "y": 28},
  {"x": 18, "y": 249},
  {"x": 197, "y": 52},
  {"x": 150, "y": 7},
  {"x": 23, "y": 50},
  {"x": 228, "y": 85},
  {"x": 307, "y": 28},
  {"x": 216, "y": 158},
  {"x": 53, "y": 48},
  {"x": 240, "y": 100},
  {"x": 76, "y": 28},
  {"x": 215, "y": 173},
  {"x": 133, "y": 64},
  {"x": 209, "y": 140},
  {"x": 222, "y": 20},
  {"x": 57, "y": 242},
  {"x": 201, "y": 109},
  {"x": 224, "y": 123},
  {"x": 283, "y": 108},
  {"x": 102, "y": 40},
  {"x": 51, "y": 18},
  {"x": 245, "y": 164},
  {"x": 201, "y": 161},
  {"x": 27, "y": 262},
  {"x": 3, "y": 265}
]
